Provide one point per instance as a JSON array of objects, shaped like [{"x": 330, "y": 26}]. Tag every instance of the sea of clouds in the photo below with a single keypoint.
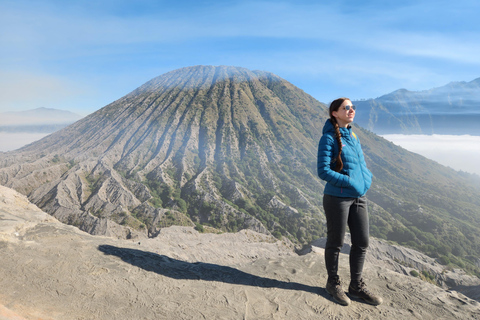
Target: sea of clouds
[
  {"x": 460, "y": 152},
  {"x": 11, "y": 141}
]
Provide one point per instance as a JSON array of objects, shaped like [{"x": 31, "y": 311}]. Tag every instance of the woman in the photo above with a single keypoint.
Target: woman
[{"x": 342, "y": 165}]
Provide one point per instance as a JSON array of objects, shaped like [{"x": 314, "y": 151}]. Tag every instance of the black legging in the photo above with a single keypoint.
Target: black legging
[{"x": 341, "y": 212}]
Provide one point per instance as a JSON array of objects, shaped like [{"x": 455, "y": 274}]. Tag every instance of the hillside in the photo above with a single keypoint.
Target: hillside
[
  {"x": 233, "y": 149},
  {"x": 68, "y": 274},
  {"x": 450, "y": 109}
]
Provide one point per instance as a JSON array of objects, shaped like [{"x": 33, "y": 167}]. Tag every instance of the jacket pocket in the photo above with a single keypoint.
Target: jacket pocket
[{"x": 358, "y": 183}]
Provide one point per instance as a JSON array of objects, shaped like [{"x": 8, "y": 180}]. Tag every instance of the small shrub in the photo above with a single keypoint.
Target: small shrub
[
  {"x": 199, "y": 228},
  {"x": 277, "y": 234},
  {"x": 56, "y": 158},
  {"x": 428, "y": 276},
  {"x": 444, "y": 260}
]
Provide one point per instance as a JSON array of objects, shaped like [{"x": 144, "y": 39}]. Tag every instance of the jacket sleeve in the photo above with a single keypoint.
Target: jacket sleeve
[{"x": 324, "y": 159}]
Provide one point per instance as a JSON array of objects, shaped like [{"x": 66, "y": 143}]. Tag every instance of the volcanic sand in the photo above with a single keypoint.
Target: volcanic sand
[{"x": 53, "y": 271}]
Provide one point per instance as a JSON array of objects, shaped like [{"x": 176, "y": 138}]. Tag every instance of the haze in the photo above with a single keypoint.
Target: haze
[{"x": 458, "y": 152}]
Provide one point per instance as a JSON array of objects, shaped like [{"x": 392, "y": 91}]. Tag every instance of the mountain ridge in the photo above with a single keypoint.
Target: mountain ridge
[{"x": 449, "y": 109}]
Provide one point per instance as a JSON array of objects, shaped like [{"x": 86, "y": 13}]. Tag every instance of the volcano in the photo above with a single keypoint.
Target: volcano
[
  {"x": 225, "y": 149},
  {"x": 218, "y": 146}
]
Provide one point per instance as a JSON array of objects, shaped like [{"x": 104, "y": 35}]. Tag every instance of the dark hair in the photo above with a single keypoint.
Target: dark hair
[{"x": 334, "y": 106}]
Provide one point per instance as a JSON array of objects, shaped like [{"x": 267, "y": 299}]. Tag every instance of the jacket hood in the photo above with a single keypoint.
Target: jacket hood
[{"x": 328, "y": 127}]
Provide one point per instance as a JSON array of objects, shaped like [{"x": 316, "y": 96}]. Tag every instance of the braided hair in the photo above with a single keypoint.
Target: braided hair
[{"x": 334, "y": 106}]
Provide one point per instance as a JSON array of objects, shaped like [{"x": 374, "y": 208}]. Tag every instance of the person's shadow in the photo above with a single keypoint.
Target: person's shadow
[{"x": 178, "y": 269}]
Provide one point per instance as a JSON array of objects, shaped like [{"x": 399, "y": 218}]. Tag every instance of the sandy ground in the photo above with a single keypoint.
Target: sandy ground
[{"x": 53, "y": 271}]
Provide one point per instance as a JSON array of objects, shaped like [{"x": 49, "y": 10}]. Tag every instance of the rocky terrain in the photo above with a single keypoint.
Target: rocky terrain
[
  {"x": 54, "y": 271},
  {"x": 407, "y": 261}
]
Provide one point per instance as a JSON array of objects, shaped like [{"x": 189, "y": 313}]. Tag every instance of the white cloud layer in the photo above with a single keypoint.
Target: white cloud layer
[
  {"x": 13, "y": 141},
  {"x": 458, "y": 152}
]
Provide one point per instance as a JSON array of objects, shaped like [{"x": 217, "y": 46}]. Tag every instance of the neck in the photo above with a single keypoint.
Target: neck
[{"x": 342, "y": 124}]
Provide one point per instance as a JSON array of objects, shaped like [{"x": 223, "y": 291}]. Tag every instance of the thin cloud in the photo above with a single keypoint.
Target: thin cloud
[
  {"x": 458, "y": 48},
  {"x": 46, "y": 24},
  {"x": 368, "y": 48}
]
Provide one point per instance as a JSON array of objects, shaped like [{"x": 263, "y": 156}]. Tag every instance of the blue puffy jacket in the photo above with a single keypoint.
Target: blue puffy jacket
[{"x": 354, "y": 179}]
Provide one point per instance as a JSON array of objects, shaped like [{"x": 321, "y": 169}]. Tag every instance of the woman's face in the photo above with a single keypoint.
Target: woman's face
[{"x": 344, "y": 117}]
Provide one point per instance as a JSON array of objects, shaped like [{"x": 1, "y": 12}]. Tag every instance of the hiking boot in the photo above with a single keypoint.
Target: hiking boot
[
  {"x": 334, "y": 288},
  {"x": 358, "y": 289}
]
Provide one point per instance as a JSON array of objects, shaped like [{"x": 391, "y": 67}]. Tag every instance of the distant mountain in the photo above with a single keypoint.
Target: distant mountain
[
  {"x": 451, "y": 109},
  {"x": 40, "y": 120},
  {"x": 233, "y": 149}
]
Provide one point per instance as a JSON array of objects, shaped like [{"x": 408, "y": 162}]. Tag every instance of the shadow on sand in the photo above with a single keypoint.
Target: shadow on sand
[{"x": 178, "y": 269}]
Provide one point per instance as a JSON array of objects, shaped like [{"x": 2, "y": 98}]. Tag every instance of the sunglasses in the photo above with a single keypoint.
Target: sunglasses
[{"x": 347, "y": 107}]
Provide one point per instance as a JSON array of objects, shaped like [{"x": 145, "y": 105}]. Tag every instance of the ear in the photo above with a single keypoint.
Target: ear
[{"x": 335, "y": 114}]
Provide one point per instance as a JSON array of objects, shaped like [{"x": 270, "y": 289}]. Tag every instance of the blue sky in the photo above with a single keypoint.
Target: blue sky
[{"x": 82, "y": 55}]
